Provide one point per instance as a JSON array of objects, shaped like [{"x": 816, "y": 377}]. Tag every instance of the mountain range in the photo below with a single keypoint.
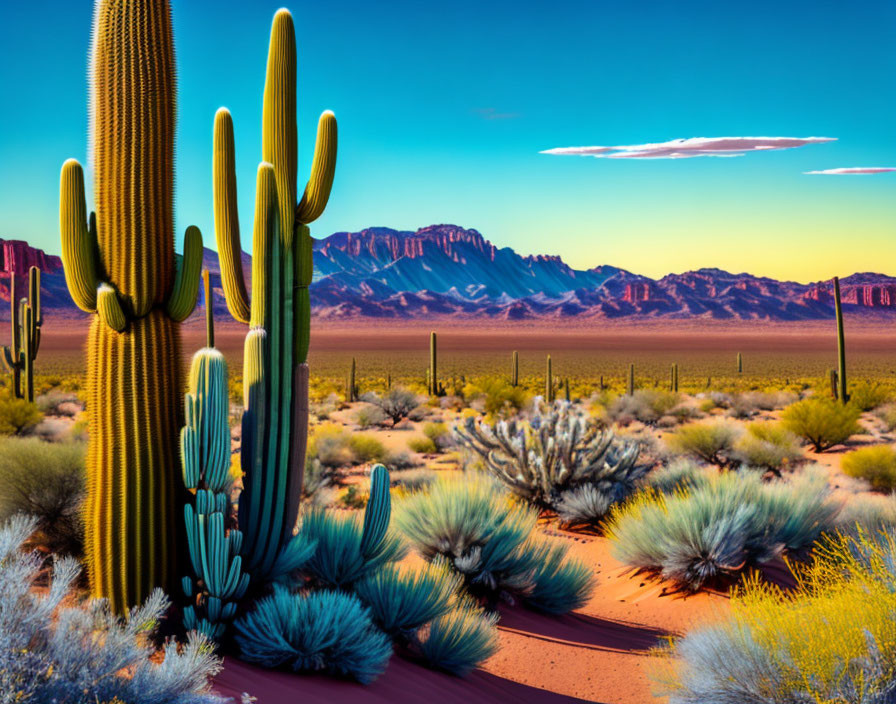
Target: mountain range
[{"x": 446, "y": 270}]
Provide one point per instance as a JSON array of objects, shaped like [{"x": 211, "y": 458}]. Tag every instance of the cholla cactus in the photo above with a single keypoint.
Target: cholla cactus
[{"x": 556, "y": 455}]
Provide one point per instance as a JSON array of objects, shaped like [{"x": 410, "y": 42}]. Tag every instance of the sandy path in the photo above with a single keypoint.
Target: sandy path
[{"x": 598, "y": 654}]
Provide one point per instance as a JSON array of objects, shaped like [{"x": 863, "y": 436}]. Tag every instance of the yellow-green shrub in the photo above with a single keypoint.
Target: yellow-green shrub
[
  {"x": 17, "y": 416},
  {"x": 831, "y": 640},
  {"x": 824, "y": 423},
  {"x": 422, "y": 445},
  {"x": 711, "y": 442},
  {"x": 876, "y": 464}
]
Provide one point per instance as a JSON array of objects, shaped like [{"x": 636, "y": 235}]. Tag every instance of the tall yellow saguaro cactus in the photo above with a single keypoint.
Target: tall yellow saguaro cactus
[
  {"x": 275, "y": 376},
  {"x": 122, "y": 266}
]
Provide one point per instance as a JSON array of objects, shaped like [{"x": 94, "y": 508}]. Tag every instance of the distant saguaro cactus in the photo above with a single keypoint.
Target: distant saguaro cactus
[
  {"x": 121, "y": 265},
  {"x": 630, "y": 383},
  {"x": 351, "y": 386},
  {"x": 25, "y": 320},
  {"x": 275, "y": 382},
  {"x": 673, "y": 381},
  {"x": 549, "y": 381},
  {"x": 515, "y": 369},
  {"x": 740, "y": 363},
  {"x": 841, "y": 345}
]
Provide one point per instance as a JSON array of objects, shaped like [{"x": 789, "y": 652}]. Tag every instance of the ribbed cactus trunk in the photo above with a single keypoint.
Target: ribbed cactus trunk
[
  {"x": 673, "y": 381},
  {"x": 275, "y": 376},
  {"x": 841, "y": 345},
  {"x": 122, "y": 266},
  {"x": 549, "y": 381},
  {"x": 433, "y": 365},
  {"x": 515, "y": 369}
]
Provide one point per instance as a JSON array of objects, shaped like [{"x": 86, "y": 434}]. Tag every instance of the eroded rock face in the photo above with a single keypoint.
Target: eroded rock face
[{"x": 446, "y": 270}]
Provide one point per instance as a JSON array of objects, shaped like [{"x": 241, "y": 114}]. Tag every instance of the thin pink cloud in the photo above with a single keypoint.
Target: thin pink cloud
[
  {"x": 853, "y": 170},
  {"x": 692, "y": 147}
]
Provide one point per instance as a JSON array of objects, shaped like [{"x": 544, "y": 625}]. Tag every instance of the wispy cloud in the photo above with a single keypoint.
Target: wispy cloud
[
  {"x": 692, "y": 147},
  {"x": 853, "y": 170},
  {"x": 493, "y": 114}
]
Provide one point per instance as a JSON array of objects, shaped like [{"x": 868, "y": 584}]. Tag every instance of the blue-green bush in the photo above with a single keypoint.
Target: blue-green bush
[
  {"x": 460, "y": 639},
  {"x": 325, "y": 630},
  {"x": 470, "y": 526},
  {"x": 704, "y": 533}
]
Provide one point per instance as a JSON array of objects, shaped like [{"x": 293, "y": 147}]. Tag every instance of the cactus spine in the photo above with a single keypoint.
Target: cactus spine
[
  {"x": 740, "y": 363},
  {"x": 121, "y": 265},
  {"x": 25, "y": 320},
  {"x": 841, "y": 345},
  {"x": 630, "y": 383},
  {"x": 275, "y": 386},
  {"x": 218, "y": 581},
  {"x": 515, "y": 369},
  {"x": 549, "y": 381}
]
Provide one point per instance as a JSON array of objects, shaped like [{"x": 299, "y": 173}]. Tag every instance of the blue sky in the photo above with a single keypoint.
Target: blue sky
[{"x": 443, "y": 109}]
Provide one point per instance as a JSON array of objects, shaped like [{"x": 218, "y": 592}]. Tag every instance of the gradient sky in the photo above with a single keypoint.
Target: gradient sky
[{"x": 443, "y": 109}]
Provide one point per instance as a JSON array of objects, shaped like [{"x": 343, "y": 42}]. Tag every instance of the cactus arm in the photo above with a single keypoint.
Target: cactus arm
[
  {"x": 78, "y": 240},
  {"x": 28, "y": 352},
  {"x": 186, "y": 282},
  {"x": 8, "y": 360},
  {"x": 209, "y": 309},
  {"x": 109, "y": 308},
  {"x": 323, "y": 169},
  {"x": 227, "y": 226},
  {"x": 34, "y": 294},
  {"x": 279, "y": 139},
  {"x": 377, "y": 513}
]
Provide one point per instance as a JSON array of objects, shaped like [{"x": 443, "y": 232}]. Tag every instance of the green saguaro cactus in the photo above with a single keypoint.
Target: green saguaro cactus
[
  {"x": 351, "y": 386},
  {"x": 549, "y": 381},
  {"x": 121, "y": 265},
  {"x": 630, "y": 383},
  {"x": 217, "y": 582},
  {"x": 433, "y": 376},
  {"x": 740, "y": 363},
  {"x": 25, "y": 320},
  {"x": 842, "y": 394},
  {"x": 515, "y": 369},
  {"x": 673, "y": 378},
  {"x": 275, "y": 381}
]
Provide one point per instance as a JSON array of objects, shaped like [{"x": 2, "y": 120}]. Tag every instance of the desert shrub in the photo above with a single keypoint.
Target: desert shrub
[
  {"x": 460, "y": 639},
  {"x": 83, "y": 654},
  {"x": 402, "y": 601},
  {"x": 711, "y": 532},
  {"x": 338, "y": 560},
  {"x": 557, "y": 458},
  {"x": 887, "y": 416},
  {"x": 322, "y": 630},
  {"x": 400, "y": 460},
  {"x": 496, "y": 395},
  {"x": 58, "y": 402},
  {"x": 681, "y": 474},
  {"x": 368, "y": 416},
  {"x": 423, "y": 445},
  {"x": 823, "y": 423},
  {"x": 414, "y": 479},
  {"x": 645, "y": 405},
  {"x": 831, "y": 640},
  {"x": 366, "y": 448},
  {"x": 397, "y": 403},
  {"x": 868, "y": 512},
  {"x": 17, "y": 416},
  {"x": 317, "y": 482},
  {"x": 439, "y": 433},
  {"x": 707, "y": 405},
  {"x": 711, "y": 442},
  {"x": 328, "y": 443},
  {"x": 45, "y": 481},
  {"x": 876, "y": 465},
  {"x": 464, "y": 523},
  {"x": 867, "y": 396},
  {"x": 767, "y": 445}
]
